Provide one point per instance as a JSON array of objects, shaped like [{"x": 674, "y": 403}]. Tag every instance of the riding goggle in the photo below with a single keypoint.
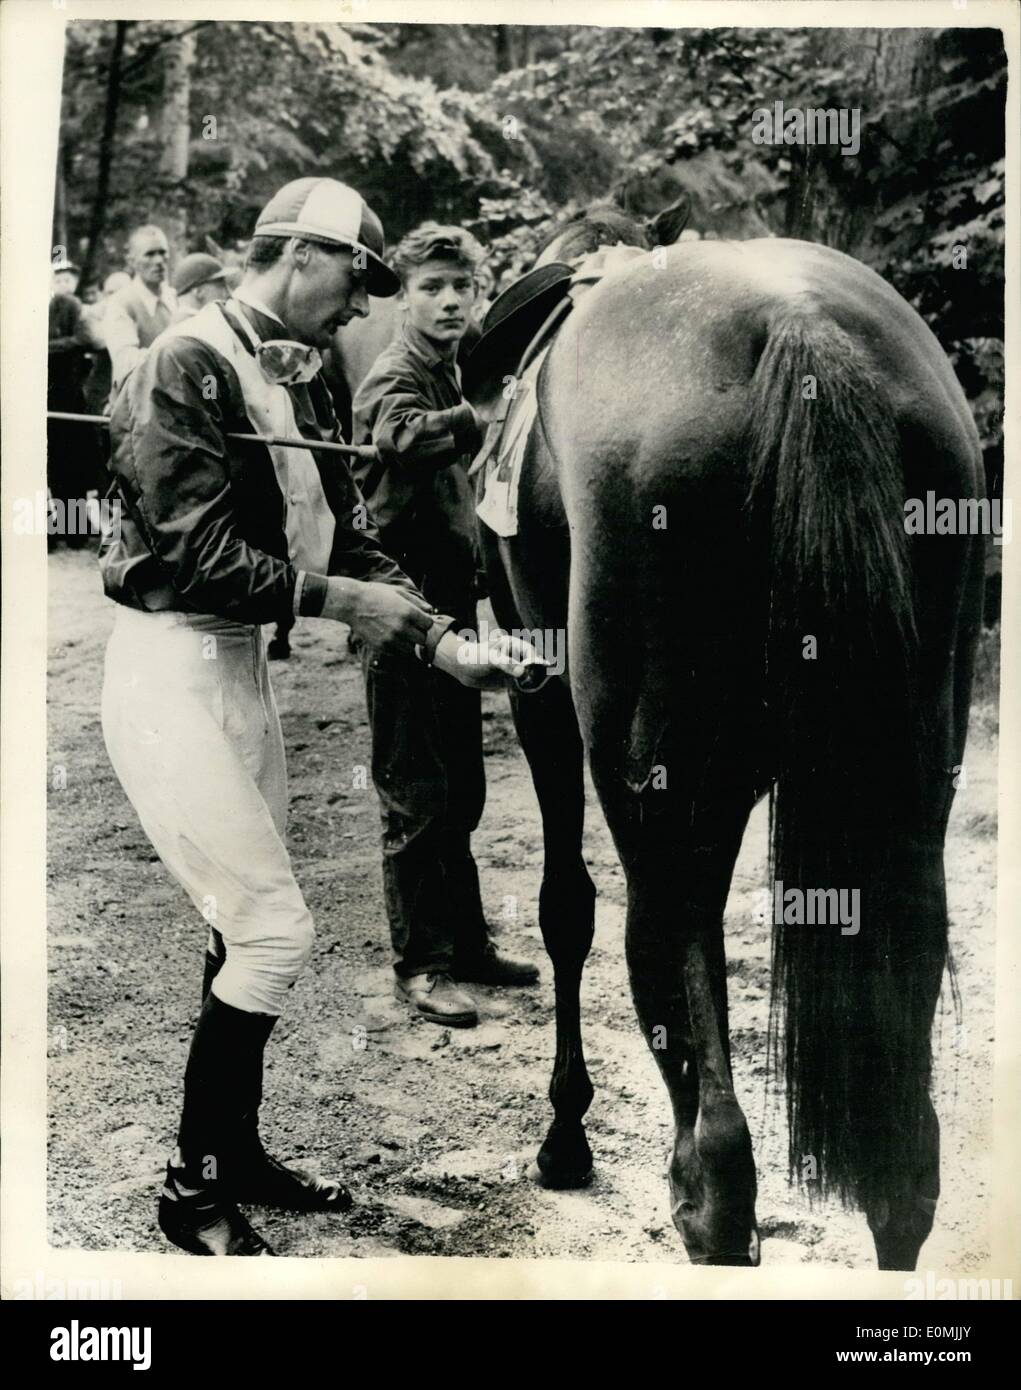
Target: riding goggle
[{"x": 286, "y": 363}]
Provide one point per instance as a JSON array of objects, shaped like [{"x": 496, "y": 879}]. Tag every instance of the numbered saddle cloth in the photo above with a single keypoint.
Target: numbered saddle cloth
[
  {"x": 309, "y": 522},
  {"x": 532, "y": 317},
  {"x": 498, "y": 507}
]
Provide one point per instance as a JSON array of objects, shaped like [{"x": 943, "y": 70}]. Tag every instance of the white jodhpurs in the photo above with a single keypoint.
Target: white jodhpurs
[{"x": 192, "y": 730}]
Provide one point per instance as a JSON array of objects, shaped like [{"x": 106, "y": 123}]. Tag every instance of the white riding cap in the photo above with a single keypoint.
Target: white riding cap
[{"x": 328, "y": 210}]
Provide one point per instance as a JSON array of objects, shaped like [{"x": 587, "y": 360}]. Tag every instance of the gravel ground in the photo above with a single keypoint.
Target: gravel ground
[{"x": 435, "y": 1130}]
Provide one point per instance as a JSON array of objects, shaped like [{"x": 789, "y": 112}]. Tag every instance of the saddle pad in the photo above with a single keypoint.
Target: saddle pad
[
  {"x": 503, "y": 454},
  {"x": 501, "y": 482}
]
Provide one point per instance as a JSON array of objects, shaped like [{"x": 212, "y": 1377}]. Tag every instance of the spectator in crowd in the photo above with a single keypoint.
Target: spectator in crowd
[
  {"x": 72, "y": 451},
  {"x": 116, "y": 280},
  {"x": 138, "y": 313},
  {"x": 99, "y": 382},
  {"x": 197, "y": 281},
  {"x": 486, "y": 282},
  {"x": 65, "y": 278},
  {"x": 94, "y": 307}
]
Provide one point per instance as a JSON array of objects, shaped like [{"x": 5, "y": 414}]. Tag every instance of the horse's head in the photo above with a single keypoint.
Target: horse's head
[
  {"x": 600, "y": 224},
  {"x": 605, "y": 224}
]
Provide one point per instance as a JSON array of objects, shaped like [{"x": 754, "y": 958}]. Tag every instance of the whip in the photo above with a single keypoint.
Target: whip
[
  {"x": 536, "y": 672},
  {"x": 358, "y": 451}
]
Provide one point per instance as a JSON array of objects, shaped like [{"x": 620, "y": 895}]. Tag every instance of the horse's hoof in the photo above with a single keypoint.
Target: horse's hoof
[
  {"x": 565, "y": 1159},
  {"x": 732, "y": 1260},
  {"x": 749, "y": 1258},
  {"x": 558, "y": 1180},
  {"x": 707, "y": 1239}
]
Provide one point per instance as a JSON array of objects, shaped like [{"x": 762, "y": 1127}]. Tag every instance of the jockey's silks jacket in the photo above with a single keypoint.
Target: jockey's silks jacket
[{"x": 203, "y": 519}]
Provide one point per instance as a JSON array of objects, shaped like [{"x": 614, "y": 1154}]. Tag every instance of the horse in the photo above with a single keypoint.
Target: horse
[{"x": 712, "y": 510}]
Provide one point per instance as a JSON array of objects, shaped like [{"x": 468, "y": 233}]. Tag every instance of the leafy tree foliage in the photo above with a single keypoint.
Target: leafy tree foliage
[{"x": 506, "y": 128}]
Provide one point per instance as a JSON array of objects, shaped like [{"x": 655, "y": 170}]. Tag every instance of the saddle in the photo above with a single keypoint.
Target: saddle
[
  {"x": 501, "y": 375},
  {"x": 513, "y": 321}
]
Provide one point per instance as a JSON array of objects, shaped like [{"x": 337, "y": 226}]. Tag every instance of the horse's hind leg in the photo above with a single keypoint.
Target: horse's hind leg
[
  {"x": 900, "y": 1206},
  {"x": 548, "y": 731},
  {"x": 679, "y": 870},
  {"x": 900, "y": 1210}
]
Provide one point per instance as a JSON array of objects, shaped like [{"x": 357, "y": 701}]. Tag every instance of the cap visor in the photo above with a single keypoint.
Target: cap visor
[{"x": 381, "y": 281}]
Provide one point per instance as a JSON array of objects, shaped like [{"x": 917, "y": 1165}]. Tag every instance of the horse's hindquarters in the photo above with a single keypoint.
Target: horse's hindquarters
[{"x": 735, "y": 439}]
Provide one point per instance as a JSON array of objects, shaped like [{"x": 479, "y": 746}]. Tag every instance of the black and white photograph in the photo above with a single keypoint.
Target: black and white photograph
[{"x": 517, "y": 535}]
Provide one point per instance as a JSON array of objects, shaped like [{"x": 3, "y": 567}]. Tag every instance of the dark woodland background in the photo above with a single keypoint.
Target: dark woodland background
[{"x": 504, "y": 128}]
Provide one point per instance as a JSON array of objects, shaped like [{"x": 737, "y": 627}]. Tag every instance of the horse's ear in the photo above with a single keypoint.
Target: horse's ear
[
  {"x": 667, "y": 225},
  {"x": 214, "y": 250}
]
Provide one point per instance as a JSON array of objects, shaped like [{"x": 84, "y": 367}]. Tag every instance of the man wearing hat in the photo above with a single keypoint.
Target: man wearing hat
[
  {"x": 218, "y": 537},
  {"x": 65, "y": 278},
  {"x": 198, "y": 281}
]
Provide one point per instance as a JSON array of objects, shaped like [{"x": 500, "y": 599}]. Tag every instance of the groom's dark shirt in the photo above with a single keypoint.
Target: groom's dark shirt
[{"x": 411, "y": 408}]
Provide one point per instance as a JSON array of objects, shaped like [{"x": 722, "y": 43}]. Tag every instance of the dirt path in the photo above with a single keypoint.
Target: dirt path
[{"x": 434, "y": 1129}]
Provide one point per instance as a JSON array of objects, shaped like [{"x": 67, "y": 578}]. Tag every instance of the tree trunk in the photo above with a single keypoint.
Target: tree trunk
[
  {"x": 60, "y": 203},
  {"x": 505, "y": 57},
  {"x": 799, "y": 213},
  {"x": 175, "y": 132},
  {"x": 898, "y": 63},
  {"x": 97, "y": 219}
]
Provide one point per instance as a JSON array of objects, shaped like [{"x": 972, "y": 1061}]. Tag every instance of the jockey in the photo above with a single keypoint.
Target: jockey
[{"x": 215, "y": 538}]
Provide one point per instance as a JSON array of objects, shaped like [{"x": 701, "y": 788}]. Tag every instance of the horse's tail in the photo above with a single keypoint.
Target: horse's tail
[{"x": 827, "y": 498}]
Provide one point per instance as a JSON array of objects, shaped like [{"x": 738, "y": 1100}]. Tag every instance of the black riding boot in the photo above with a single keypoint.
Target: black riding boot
[
  {"x": 258, "y": 1178},
  {"x": 197, "y": 1210}
]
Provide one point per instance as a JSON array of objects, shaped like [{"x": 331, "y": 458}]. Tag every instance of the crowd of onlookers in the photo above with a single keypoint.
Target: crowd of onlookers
[{"x": 95, "y": 340}]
